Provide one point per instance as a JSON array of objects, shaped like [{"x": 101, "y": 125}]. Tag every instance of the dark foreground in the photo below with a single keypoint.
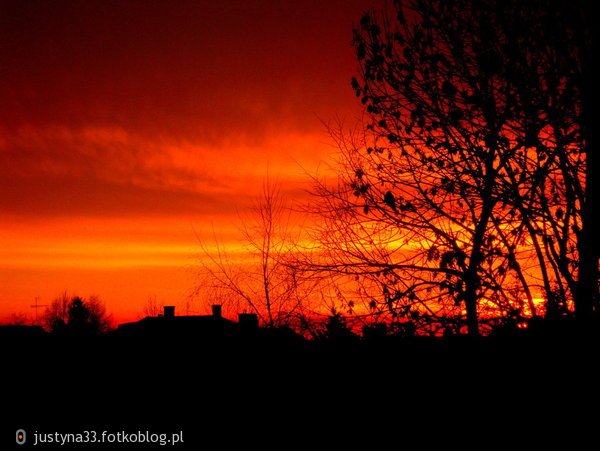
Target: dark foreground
[{"x": 517, "y": 392}]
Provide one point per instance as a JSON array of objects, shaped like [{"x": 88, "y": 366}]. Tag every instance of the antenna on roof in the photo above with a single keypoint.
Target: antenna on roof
[{"x": 36, "y": 306}]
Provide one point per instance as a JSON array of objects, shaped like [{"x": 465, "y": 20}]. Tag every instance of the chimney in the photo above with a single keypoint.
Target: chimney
[
  {"x": 248, "y": 321},
  {"x": 168, "y": 311},
  {"x": 216, "y": 311}
]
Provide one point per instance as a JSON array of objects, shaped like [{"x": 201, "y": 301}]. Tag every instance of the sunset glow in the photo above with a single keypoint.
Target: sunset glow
[
  {"x": 257, "y": 222},
  {"x": 128, "y": 132}
]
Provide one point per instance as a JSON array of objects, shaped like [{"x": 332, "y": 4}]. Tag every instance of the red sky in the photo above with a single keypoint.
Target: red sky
[{"x": 125, "y": 125}]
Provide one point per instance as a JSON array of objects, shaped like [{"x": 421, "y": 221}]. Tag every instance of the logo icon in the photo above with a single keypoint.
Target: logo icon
[{"x": 21, "y": 437}]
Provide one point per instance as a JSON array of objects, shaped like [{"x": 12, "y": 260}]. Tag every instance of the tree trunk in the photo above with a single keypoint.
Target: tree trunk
[
  {"x": 471, "y": 307},
  {"x": 471, "y": 274}
]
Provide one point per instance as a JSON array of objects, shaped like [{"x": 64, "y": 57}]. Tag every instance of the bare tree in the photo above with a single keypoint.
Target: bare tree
[
  {"x": 152, "y": 307},
  {"x": 18, "y": 319},
  {"x": 262, "y": 279},
  {"x": 56, "y": 315}
]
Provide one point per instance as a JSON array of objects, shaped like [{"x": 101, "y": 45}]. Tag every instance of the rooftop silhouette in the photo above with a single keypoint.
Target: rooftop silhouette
[{"x": 208, "y": 327}]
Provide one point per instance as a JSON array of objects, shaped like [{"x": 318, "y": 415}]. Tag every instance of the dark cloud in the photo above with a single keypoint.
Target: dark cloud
[
  {"x": 55, "y": 196},
  {"x": 200, "y": 68},
  {"x": 68, "y": 172}
]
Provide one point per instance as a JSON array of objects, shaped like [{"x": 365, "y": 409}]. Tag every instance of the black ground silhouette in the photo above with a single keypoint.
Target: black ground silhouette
[{"x": 273, "y": 393}]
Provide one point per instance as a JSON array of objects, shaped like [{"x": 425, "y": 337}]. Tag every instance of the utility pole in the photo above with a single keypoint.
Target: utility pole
[{"x": 36, "y": 306}]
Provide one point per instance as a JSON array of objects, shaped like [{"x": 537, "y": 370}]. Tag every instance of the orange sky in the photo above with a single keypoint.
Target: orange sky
[{"x": 125, "y": 125}]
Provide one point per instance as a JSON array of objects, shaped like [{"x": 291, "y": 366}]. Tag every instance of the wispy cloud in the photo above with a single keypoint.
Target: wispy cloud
[{"x": 107, "y": 171}]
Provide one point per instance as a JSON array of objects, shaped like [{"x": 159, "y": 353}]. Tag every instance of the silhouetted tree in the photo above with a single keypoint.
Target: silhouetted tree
[
  {"x": 56, "y": 315},
  {"x": 551, "y": 57},
  {"x": 336, "y": 327},
  {"x": 17, "y": 319},
  {"x": 76, "y": 316},
  {"x": 468, "y": 179},
  {"x": 265, "y": 281},
  {"x": 152, "y": 307}
]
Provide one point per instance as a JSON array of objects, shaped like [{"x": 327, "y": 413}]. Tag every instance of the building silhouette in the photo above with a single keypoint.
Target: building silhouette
[{"x": 169, "y": 324}]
